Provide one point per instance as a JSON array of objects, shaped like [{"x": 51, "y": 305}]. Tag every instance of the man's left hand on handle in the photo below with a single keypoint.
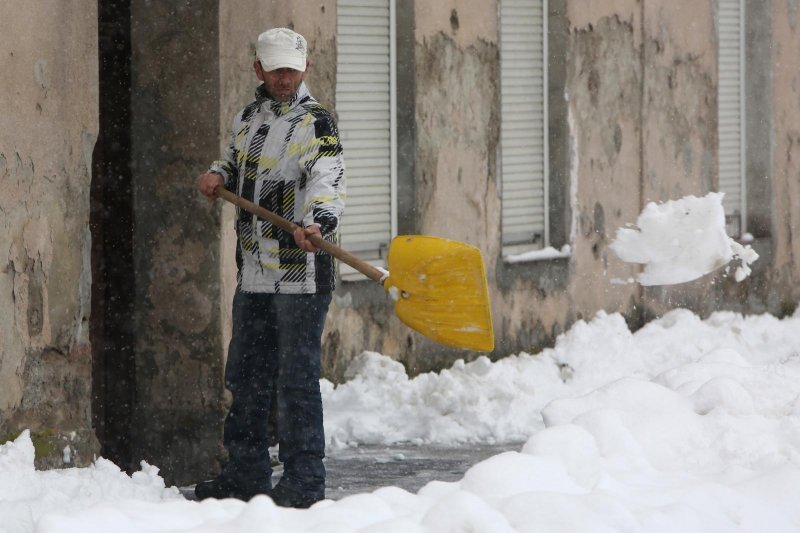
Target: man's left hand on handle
[{"x": 301, "y": 237}]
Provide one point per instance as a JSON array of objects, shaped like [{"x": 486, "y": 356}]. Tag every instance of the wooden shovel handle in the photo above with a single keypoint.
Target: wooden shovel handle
[{"x": 287, "y": 225}]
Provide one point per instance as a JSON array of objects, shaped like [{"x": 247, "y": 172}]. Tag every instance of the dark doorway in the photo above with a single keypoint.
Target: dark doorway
[{"x": 111, "y": 223}]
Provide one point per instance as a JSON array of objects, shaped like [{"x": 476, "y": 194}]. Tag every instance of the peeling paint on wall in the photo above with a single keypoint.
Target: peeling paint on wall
[
  {"x": 45, "y": 366},
  {"x": 791, "y": 5},
  {"x": 604, "y": 80},
  {"x": 457, "y": 139}
]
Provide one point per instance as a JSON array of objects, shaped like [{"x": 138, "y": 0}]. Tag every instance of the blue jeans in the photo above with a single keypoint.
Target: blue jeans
[{"x": 276, "y": 342}]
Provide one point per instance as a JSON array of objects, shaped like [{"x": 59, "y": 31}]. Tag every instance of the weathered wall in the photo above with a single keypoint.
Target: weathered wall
[
  {"x": 679, "y": 121},
  {"x": 457, "y": 64},
  {"x": 448, "y": 152},
  {"x": 241, "y": 22},
  {"x": 785, "y": 177},
  {"x": 175, "y": 122},
  {"x": 457, "y": 120},
  {"x": 640, "y": 84},
  {"x": 639, "y": 125},
  {"x": 48, "y": 126},
  {"x": 603, "y": 86},
  {"x": 679, "y": 114},
  {"x": 758, "y": 113}
]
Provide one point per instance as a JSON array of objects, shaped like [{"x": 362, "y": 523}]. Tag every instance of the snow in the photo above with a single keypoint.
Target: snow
[
  {"x": 28, "y": 497},
  {"x": 686, "y": 425},
  {"x": 546, "y": 253},
  {"x": 682, "y": 240}
]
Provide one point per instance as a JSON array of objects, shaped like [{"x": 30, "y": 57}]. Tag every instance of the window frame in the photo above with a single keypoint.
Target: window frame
[
  {"x": 509, "y": 246},
  {"x": 736, "y": 212},
  {"x": 375, "y": 257}
]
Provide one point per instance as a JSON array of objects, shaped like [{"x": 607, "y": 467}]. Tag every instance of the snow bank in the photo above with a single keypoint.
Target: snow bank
[
  {"x": 479, "y": 401},
  {"x": 686, "y": 425},
  {"x": 26, "y": 495}
]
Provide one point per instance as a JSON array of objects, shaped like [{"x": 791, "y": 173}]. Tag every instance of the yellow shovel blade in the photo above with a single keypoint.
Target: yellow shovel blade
[{"x": 439, "y": 289}]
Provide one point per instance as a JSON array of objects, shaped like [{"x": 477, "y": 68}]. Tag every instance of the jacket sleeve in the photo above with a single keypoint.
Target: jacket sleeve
[
  {"x": 228, "y": 164},
  {"x": 324, "y": 172}
]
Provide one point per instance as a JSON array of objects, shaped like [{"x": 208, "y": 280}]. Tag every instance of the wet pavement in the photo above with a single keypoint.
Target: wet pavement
[
  {"x": 367, "y": 468},
  {"x": 410, "y": 467}
]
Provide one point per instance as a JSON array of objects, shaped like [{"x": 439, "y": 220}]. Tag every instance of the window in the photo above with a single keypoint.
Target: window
[
  {"x": 523, "y": 131},
  {"x": 731, "y": 116},
  {"x": 365, "y": 104}
]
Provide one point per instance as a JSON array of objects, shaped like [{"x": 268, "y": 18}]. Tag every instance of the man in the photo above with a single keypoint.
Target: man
[{"x": 284, "y": 154}]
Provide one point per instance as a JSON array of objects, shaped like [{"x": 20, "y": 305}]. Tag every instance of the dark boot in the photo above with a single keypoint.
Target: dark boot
[
  {"x": 286, "y": 495},
  {"x": 224, "y": 486}
]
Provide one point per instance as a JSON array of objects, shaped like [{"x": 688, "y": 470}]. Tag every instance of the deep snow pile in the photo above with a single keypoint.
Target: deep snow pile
[
  {"x": 685, "y": 425},
  {"x": 27, "y": 494}
]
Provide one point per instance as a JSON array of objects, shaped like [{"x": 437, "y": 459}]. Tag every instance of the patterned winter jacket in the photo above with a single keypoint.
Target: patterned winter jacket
[{"x": 287, "y": 158}]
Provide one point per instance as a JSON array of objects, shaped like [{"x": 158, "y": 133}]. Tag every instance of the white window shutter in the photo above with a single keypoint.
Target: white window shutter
[
  {"x": 365, "y": 109},
  {"x": 523, "y": 143},
  {"x": 730, "y": 107}
]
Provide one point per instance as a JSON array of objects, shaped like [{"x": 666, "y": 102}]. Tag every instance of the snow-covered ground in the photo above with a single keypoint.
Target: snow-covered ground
[{"x": 684, "y": 425}]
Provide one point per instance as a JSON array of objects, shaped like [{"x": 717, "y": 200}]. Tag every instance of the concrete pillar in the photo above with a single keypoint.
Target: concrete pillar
[{"x": 174, "y": 128}]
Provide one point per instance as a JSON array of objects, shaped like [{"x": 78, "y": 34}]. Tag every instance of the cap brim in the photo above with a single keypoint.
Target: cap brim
[{"x": 274, "y": 63}]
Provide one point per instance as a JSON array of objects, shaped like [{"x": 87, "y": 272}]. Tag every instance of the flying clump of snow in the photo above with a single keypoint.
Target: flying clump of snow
[{"x": 682, "y": 240}]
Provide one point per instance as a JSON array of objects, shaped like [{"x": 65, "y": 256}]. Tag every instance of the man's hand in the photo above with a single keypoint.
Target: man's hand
[
  {"x": 207, "y": 183},
  {"x": 301, "y": 237}
]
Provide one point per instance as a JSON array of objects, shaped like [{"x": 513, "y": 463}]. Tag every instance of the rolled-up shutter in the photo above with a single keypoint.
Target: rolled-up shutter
[
  {"x": 730, "y": 101},
  {"x": 523, "y": 159},
  {"x": 364, "y": 105}
]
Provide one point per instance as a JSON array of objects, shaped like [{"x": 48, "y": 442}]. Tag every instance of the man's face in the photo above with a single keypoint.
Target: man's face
[{"x": 282, "y": 83}]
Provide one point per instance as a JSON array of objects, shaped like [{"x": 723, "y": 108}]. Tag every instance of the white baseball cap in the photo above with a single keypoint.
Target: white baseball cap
[{"x": 281, "y": 48}]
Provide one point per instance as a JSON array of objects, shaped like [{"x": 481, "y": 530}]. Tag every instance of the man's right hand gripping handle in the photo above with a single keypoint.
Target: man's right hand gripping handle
[{"x": 207, "y": 183}]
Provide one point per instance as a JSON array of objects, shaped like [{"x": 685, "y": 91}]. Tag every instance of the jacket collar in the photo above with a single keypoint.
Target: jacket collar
[{"x": 281, "y": 108}]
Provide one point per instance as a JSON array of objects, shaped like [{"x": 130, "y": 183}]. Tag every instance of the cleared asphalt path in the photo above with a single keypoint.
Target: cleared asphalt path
[
  {"x": 367, "y": 468},
  {"x": 410, "y": 467}
]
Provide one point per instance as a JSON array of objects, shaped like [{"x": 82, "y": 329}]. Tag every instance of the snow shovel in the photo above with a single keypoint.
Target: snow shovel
[{"x": 438, "y": 285}]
